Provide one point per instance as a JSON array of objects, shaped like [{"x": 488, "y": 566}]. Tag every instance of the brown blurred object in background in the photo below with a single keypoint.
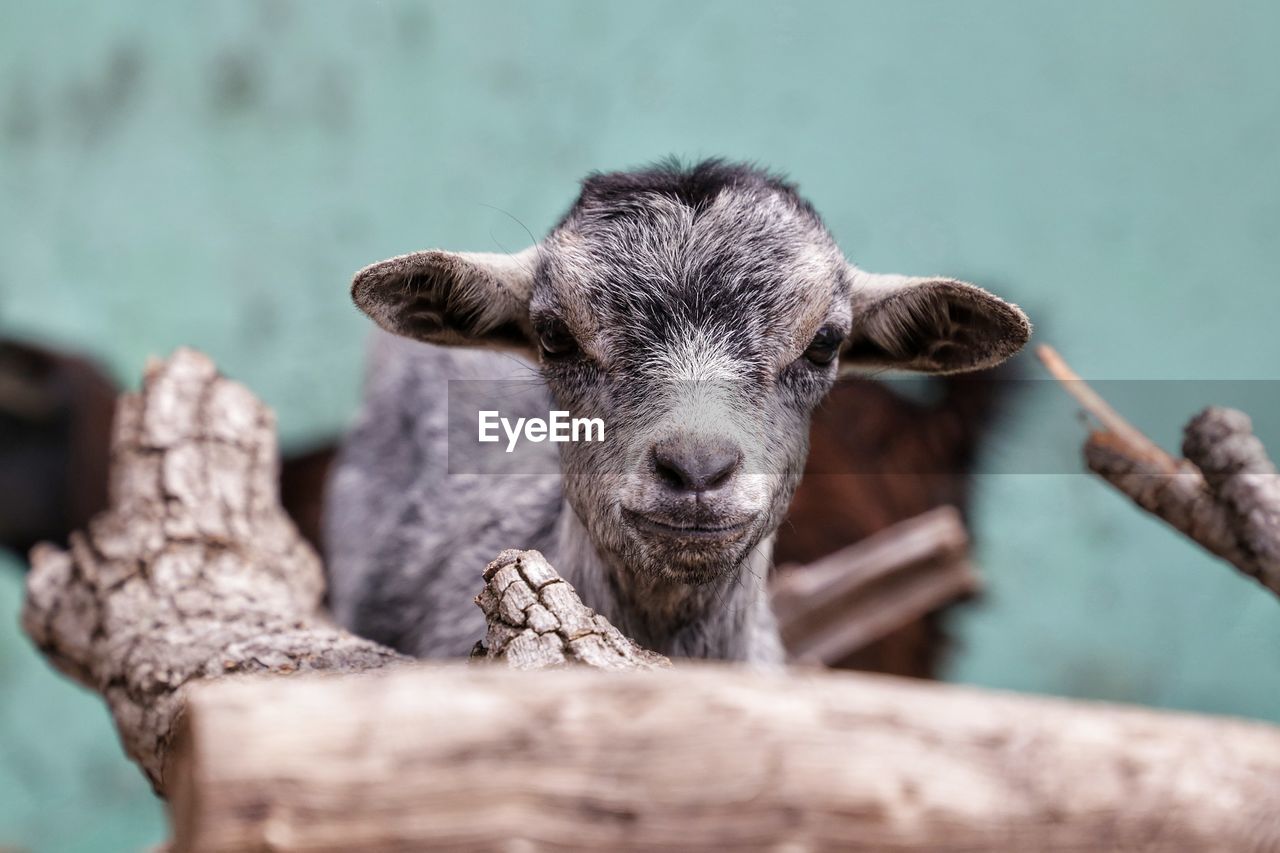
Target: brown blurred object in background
[
  {"x": 55, "y": 424},
  {"x": 877, "y": 458}
]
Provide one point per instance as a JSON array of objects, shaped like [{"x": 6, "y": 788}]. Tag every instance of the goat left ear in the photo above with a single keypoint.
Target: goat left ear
[
  {"x": 454, "y": 298},
  {"x": 931, "y": 325}
]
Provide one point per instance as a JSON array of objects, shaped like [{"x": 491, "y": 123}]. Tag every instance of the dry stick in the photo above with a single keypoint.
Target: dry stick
[
  {"x": 1176, "y": 491},
  {"x": 1182, "y": 500},
  {"x": 1093, "y": 403},
  {"x": 1244, "y": 480}
]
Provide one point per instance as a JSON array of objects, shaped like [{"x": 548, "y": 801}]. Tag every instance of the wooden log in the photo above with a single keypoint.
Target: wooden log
[
  {"x": 831, "y": 608},
  {"x": 705, "y": 758},
  {"x": 193, "y": 572}
]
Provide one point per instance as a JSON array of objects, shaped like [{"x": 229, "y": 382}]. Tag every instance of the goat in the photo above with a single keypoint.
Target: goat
[{"x": 701, "y": 313}]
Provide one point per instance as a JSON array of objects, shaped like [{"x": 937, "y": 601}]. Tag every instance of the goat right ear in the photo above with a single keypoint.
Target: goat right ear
[
  {"x": 456, "y": 298},
  {"x": 930, "y": 325}
]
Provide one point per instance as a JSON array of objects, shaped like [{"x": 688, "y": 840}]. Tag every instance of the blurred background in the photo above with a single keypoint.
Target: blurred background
[{"x": 211, "y": 174}]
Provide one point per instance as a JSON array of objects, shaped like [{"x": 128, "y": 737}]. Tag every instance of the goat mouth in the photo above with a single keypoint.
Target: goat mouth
[{"x": 697, "y": 531}]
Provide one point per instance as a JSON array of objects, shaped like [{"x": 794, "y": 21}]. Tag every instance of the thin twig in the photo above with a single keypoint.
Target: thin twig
[{"x": 1101, "y": 410}]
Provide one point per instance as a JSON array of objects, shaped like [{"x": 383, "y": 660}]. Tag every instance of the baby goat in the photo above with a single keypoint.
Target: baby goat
[{"x": 701, "y": 313}]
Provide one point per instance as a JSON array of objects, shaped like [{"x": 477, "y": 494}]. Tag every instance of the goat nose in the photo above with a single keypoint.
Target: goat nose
[{"x": 695, "y": 464}]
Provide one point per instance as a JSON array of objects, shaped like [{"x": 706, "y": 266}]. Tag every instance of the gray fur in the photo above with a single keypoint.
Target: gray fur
[{"x": 685, "y": 307}]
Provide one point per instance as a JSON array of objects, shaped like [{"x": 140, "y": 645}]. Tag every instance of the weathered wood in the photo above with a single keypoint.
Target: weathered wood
[
  {"x": 193, "y": 572},
  {"x": 829, "y": 609},
  {"x": 1180, "y": 499},
  {"x": 706, "y": 758},
  {"x": 1236, "y": 467},
  {"x": 1225, "y": 496},
  {"x": 536, "y": 620}
]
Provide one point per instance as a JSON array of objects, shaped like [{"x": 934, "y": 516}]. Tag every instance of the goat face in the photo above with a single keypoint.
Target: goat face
[{"x": 701, "y": 314}]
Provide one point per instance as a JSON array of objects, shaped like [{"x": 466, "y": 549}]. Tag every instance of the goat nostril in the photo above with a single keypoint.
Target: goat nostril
[
  {"x": 722, "y": 467},
  {"x": 668, "y": 470},
  {"x": 694, "y": 466}
]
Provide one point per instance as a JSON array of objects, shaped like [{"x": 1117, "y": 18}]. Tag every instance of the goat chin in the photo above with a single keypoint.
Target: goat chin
[{"x": 690, "y": 561}]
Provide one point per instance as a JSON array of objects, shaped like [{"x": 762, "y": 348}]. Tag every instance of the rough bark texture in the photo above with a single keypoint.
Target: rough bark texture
[
  {"x": 536, "y": 621},
  {"x": 707, "y": 758},
  {"x": 193, "y": 572},
  {"x": 1225, "y": 495},
  {"x": 1244, "y": 481},
  {"x": 830, "y": 609},
  {"x": 1182, "y": 499}
]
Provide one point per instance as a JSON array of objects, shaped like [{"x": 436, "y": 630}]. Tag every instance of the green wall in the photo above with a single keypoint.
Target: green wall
[{"x": 210, "y": 174}]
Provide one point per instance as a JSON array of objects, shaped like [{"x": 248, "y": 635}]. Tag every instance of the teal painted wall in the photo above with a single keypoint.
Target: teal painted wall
[{"x": 211, "y": 174}]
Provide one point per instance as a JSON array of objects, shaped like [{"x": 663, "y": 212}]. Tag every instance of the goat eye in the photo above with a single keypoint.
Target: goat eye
[
  {"x": 556, "y": 340},
  {"x": 824, "y": 346}
]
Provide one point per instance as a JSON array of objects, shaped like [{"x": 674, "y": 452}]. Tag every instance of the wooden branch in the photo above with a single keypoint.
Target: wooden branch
[
  {"x": 1242, "y": 477},
  {"x": 1225, "y": 495},
  {"x": 537, "y": 621},
  {"x": 1181, "y": 500},
  {"x": 1125, "y": 433},
  {"x": 707, "y": 758},
  {"x": 835, "y": 606},
  {"x": 193, "y": 572}
]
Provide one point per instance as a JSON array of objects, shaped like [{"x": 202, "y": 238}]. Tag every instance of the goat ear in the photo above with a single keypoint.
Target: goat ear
[
  {"x": 932, "y": 325},
  {"x": 458, "y": 298}
]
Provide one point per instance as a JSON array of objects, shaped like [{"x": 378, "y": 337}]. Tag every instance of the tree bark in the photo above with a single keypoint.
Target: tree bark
[
  {"x": 536, "y": 621},
  {"x": 1224, "y": 496},
  {"x": 193, "y": 572},
  {"x": 706, "y": 758},
  {"x": 1221, "y": 443},
  {"x": 1181, "y": 499}
]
